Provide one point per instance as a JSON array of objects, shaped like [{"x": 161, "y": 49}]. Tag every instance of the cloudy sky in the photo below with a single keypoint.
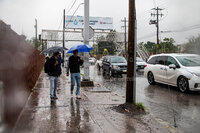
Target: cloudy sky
[{"x": 181, "y": 16}]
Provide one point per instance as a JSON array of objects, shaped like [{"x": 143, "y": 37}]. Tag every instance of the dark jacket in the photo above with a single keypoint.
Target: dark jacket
[
  {"x": 60, "y": 61},
  {"x": 74, "y": 64},
  {"x": 53, "y": 70}
]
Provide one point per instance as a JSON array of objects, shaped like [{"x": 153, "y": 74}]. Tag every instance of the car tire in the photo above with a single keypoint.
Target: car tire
[
  {"x": 183, "y": 84},
  {"x": 150, "y": 78}
]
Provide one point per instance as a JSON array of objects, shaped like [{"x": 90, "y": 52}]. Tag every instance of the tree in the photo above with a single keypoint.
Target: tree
[
  {"x": 193, "y": 45},
  {"x": 94, "y": 51},
  {"x": 150, "y": 46},
  {"x": 166, "y": 46},
  {"x": 108, "y": 42},
  {"x": 110, "y": 46}
]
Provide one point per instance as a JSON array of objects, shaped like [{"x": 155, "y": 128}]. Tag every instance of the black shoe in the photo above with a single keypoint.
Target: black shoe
[
  {"x": 55, "y": 97},
  {"x": 52, "y": 99}
]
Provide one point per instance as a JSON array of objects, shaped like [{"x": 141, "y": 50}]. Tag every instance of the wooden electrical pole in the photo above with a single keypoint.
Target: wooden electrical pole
[
  {"x": 131, "y": 71},
  {"x": 156, "y": 22},
  {"x": 158, "y": 43}
]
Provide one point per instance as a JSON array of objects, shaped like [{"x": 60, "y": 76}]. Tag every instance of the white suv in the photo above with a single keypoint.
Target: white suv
[{"x": 180, "y": 70}]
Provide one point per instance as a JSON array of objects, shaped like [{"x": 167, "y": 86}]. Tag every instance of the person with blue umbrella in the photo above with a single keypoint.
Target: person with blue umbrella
[{"x": 73, "y": 66}]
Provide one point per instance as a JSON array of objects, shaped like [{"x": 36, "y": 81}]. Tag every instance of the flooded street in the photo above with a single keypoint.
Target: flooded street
[{"x": 165, "y": 103}]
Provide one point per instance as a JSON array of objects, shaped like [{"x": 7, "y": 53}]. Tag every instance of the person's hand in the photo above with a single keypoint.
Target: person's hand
[
  {"x": 67, "y": 74},
  {"x": 56, "y": 63}
]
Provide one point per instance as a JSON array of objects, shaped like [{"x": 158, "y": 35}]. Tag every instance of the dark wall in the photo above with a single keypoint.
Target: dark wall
[{"x": 20, "y": 67}]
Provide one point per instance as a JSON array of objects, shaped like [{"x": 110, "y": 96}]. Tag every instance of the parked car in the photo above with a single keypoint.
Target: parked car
[
  {"x": 114, "y": 65},
  {"x": 92, "y": 60},
  {"x": 99, "y": 63},
  {"x": 140, "y": 64},
  {"x": 180, "y": 70}
]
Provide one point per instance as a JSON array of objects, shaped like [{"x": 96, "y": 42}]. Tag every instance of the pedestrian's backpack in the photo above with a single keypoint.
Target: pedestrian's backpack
[{"x": 46, "y": 66}]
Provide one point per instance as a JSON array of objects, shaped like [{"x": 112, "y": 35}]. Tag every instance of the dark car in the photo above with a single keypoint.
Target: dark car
[{"x": 114, "y": 65}]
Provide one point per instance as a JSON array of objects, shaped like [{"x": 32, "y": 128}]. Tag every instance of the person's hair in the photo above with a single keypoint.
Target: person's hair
[
  {"x": 75, "y": 51},
  {"x": 56, "y": 53}
]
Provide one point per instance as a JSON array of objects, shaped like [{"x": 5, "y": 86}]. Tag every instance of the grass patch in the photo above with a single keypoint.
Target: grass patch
[{"x": 140, "y": 106}]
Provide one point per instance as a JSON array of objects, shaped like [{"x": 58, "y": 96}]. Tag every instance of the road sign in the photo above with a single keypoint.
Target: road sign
[{"x": 91, "y": 32}]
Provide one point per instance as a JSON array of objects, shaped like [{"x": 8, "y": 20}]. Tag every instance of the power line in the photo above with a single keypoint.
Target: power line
[
  {"x": 74, "y": 13},
  {"x": 71, "y": 7},
  {"x": 67, "y": 12},
  {"x": 171, "y": 31}
]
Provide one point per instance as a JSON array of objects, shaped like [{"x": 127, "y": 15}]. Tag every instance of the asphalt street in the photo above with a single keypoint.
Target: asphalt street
[{"x": 165, "y": 103}]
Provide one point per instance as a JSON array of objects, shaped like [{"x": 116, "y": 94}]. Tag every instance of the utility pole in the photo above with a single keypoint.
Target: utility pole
[
  {"x": 157, "y": 13},
  {"x": 125, "y": 33},
  {"x": 63, "y": 37},
  {"x": 36, "y": 41},
  {"x": 131, "y": 68},
  {"x": 86, "y": 78}
]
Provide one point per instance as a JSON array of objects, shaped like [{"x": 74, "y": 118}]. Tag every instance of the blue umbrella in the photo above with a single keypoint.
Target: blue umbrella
[{"x": 81, "y": 48}]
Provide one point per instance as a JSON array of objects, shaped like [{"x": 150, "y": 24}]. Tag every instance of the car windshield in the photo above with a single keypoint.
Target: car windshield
[
  {"x": 139, "y": 60},
  {"x": 189, "y": 61},
  {"x": 118, "y": 60}
]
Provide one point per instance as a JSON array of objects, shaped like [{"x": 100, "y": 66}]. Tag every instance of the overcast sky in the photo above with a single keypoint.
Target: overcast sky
[{"x": 179, "y": 15}]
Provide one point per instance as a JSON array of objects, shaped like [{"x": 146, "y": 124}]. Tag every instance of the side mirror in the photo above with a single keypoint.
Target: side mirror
[{"x": 172, "y": 66}]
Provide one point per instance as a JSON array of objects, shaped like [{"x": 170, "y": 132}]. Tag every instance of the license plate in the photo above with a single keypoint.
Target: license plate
[{"x": 124, "y": 70}]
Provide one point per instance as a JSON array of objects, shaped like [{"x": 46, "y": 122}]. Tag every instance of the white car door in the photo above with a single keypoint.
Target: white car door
[
  {"x": 172, "y": 74},
  {"x": 160, "y": 68}
]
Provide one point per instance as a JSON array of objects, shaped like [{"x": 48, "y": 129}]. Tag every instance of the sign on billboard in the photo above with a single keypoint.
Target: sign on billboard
[{"x": 97, "y": 23}]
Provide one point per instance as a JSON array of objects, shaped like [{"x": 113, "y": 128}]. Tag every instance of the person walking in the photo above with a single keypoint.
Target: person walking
[
  {"x": 60, "y": 61},
  {"x": 53, "y": 73},
  {"x": 73, "y": 66}
]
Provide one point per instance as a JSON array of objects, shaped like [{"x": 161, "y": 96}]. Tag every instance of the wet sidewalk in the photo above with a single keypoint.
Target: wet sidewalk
[{"x": 91, "y": 114}]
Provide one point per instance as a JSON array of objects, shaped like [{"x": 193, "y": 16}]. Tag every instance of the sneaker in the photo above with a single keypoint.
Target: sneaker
[
  {"x": 78, "y": 97},
  {"x": 52, "y": 99}
]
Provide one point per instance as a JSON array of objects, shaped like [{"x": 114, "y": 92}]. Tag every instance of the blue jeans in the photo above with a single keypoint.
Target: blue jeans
[
  {"x": 76, "y": 77},
  {"x": 53, "y": 86}
]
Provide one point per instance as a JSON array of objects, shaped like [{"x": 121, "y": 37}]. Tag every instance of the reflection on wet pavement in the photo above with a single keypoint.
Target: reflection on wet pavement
[
  {"x": 63, "y": 115},
  {"x": 180, "y": 111},
  {"x": 91, "y": 114}
]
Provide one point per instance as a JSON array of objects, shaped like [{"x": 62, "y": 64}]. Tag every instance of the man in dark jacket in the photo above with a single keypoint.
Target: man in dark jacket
[
  {"x": 74, "y": 64},
  {"x": 54, "y": 72}
]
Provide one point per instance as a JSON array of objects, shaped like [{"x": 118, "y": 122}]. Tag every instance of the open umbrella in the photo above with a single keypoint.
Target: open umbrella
[
  {"x": 53, "y": 49},
  {"x": 81, "y": 48}
]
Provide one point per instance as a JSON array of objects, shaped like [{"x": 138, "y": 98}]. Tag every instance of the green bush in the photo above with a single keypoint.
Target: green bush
[{"x": 140, "y": 106}]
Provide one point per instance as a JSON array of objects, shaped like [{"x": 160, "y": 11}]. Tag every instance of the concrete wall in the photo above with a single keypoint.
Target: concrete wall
[{"x": 20, "y": 67}]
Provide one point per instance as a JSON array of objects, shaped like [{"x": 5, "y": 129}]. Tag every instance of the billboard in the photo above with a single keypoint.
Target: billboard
[{"x": 97, "y": 23}]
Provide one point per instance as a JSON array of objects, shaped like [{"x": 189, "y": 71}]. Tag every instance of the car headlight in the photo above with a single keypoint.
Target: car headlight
[{"x": 115, "y": 67}]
